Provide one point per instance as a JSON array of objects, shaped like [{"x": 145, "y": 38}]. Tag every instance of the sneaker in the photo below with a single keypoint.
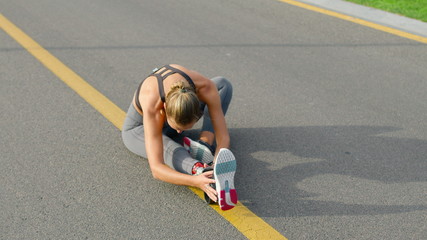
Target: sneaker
[
  {"x": 197, "y": 169},
  {"x": 224, "y": 170},
  {"x": 198, "y": 151}
]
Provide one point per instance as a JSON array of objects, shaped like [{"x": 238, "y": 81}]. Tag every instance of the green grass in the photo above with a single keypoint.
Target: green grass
[{"x": 410, "y": 8}]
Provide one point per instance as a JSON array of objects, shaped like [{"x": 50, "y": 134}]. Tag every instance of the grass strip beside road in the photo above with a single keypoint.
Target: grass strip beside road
[
  {"x": 244, "y": 220},
  {"x": 416, "y": 9},
  {"x": 357, "y": 20}
]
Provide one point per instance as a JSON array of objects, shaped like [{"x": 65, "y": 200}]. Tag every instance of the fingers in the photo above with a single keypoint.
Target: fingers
[
  {"x": 211, "y": 192},
  {"x": 208, "y": 189},
  {"x": 206, "y": 179},
  {"x": 208, "y": 174},
  {"x": 209, "y": 181},
  {"x": 213, "y": 197}
]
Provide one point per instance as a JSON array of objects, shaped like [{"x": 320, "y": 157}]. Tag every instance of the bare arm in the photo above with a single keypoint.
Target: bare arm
[
  {"x": 153, "y": 124},
  {"x": 208, "y": 93}
]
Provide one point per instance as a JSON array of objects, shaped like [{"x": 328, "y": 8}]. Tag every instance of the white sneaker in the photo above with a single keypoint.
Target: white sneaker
[
  {"x": 198, "y": 151},
  {"x": 224, "y": 170}
]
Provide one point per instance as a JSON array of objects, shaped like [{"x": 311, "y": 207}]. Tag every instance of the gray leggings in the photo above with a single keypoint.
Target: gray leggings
[{"x": 174, "y": 154}]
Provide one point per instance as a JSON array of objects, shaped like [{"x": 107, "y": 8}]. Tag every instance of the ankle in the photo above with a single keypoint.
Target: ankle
[
  {"x": 209, "y": 146},
  {"x": 207, "y": 137}
]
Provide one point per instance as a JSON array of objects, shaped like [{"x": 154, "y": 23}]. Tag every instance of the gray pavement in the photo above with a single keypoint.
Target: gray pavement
[
  {"x": 328, "y": 122},
  {"x": 384, "y": 18}
]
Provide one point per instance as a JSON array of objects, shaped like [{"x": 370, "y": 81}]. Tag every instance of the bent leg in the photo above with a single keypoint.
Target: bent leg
[{"x": 225, "y": 91}]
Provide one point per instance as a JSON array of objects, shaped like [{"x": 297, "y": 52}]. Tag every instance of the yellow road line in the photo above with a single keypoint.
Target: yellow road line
[
  {"x": 249, "y": 224},
  {"x": 358, "y": 21},
  {"x": 68, "y": 76}
]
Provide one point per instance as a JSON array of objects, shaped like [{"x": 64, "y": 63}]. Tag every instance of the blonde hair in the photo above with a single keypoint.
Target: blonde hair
[{"x": 182, "y": 104}]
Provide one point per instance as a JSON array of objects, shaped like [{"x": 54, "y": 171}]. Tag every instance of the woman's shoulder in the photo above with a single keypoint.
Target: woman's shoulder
[
  {"x": 147, "y": 95},
  {"x": 191, "y": 73},
  {"x": 198, "y": 79}
]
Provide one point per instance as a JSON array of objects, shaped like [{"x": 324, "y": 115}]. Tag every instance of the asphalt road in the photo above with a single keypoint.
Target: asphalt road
[{"x": 328, "y": 121}]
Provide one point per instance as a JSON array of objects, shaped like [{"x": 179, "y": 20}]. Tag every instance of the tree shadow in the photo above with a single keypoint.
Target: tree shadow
[{"x": 268, "y": 185}]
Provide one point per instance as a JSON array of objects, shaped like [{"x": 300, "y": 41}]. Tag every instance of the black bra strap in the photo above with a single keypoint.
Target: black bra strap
[
  {"x": 138, "y": 104},
  {"x": 161, "y": 88},
  {"x": 184, "y": 75},
  {"x": 160, "y": 77},
  {"x": 168, "y": 74}
]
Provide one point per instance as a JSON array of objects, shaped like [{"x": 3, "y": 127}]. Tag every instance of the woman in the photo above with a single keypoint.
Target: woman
[{"x": 169, "y": 101}]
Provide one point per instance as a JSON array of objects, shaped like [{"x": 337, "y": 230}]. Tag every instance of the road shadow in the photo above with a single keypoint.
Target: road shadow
[{"x": 268, "y": 185}]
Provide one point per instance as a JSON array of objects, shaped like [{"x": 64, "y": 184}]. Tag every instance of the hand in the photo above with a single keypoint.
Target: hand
[{"x": 203, "y": 181}]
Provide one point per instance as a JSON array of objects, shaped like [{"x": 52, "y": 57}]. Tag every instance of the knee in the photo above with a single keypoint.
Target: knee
[{"x": 223, "y": 84}]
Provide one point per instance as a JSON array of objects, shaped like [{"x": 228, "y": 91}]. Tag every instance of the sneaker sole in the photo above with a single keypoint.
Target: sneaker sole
[
  {"x": 198, "y": 151},
  {"x": 224, "y": 171}
]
